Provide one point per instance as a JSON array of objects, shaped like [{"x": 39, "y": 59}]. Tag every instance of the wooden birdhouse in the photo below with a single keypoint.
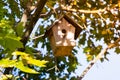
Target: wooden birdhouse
[{"x": 62, "y": 35}]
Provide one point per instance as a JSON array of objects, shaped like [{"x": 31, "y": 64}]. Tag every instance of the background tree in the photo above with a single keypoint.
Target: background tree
[{"x": 24, "y": 53}]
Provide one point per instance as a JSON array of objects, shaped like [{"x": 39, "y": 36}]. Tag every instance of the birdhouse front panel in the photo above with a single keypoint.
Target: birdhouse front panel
[
  {"x": 59, "y": 50},
  {"x": 63, "y": 33}
]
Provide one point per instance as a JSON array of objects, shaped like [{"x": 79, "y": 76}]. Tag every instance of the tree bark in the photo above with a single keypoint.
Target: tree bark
[{"x": 33, "y": 20}]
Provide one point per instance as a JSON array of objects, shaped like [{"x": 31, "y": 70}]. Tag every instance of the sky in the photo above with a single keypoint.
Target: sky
[{"x": 107, "y": 70}]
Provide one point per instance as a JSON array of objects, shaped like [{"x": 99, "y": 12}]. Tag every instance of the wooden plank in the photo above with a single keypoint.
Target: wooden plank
[
  {"x": 64, "y": 38},
  {"x": 63, "y": 51}
]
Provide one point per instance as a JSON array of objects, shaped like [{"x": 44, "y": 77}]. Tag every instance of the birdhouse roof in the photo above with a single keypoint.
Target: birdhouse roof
[{"x": 78, "y": 28}]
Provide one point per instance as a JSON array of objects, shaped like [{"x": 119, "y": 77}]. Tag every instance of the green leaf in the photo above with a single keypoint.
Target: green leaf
[
  {"x": 19, "y": 53},
  {"x": 89, "y": 57},
  {"x": 82, "y": 40},
  {"x": 6, "y": 28},
  {"x": 87, "y": 49},
  {"x": 8, "y": 39},
  {"x": 18, "y": 64},
  {"x": 26, "y": 69},
  {"x": 7, "y": 63},
  {"x": 6, "y": 77},
  {"x": 29, "y": 59},
  {"x": 29, "y": 50},
  {"x": 75, "y": 2},
  {"x": 117, "y": 50},
  {"x": 104, "y": 32},
  {"x": 36, "y": 62},
  {"x": 11, "y": 42},
  {"x": 19, "y": 29},
  {"x": 50, "y": 3}
]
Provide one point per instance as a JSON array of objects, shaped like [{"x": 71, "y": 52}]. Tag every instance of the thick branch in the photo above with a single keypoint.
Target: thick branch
[
  {"x": 24, "y": 17},
  {"x": 116, "y": 43},
  {"x": 33, "y": 20}
]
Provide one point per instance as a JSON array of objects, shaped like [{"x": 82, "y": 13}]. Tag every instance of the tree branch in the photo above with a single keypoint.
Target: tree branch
[
  {"x": 36, "y": 37},
  {"x": 115, "y": 44},
  {"x": 82, "y": 11},
  {"x": 104, "y": 18},
  {"x": 33, "y": 20}
]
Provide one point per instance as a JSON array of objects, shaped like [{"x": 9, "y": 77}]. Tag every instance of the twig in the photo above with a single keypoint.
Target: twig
[
  {"x": 115, "y": 44},
  {"x": 37, "y": 37},
  {"x": 103, "y": 18},
  {"x": 54, "y": 67},
  {"x": 1, "y": 71}
]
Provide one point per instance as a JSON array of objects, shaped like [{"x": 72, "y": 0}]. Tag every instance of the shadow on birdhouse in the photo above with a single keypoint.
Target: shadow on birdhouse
[{"x": 62, "y": 35}]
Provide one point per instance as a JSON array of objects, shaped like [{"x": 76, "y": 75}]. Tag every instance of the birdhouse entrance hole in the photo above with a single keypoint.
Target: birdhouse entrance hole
[{"x": 64, "y": 33}]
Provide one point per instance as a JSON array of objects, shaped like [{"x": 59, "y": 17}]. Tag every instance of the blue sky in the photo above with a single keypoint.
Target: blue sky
[{"x": 107, "y": 70}]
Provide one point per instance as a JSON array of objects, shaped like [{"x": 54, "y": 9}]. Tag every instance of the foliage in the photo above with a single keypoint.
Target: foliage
[
  {"x": 8, "y": 37},
  {"x": 22, "y": 62},
  {"x": 26, "y": 57}
]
